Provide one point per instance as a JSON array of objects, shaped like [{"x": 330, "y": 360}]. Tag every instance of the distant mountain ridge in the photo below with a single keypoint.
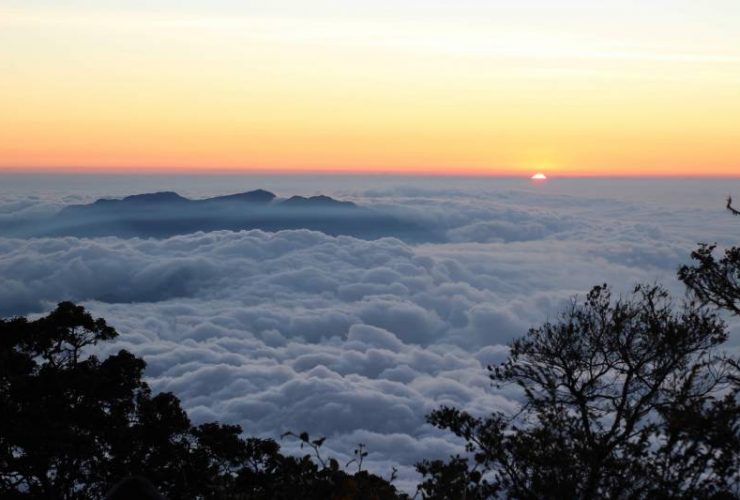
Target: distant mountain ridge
[
  {"x": 166, "y": 213},
  {"x": 169, "y": 198},
  {"x": 166, "y": 200}
]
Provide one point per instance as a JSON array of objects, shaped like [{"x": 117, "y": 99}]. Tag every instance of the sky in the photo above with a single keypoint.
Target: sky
[{"x": 613, "y": 87}]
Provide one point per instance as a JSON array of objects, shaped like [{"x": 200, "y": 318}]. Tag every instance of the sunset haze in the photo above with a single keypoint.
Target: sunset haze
[{"x": 502, "y": 88}]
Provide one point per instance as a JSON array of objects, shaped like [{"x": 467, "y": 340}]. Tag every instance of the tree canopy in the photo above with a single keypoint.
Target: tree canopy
[
  {"x": 714, "y": 281},
  {"x": 72, "y": 426},
  {"x": 621, "y": 398}
]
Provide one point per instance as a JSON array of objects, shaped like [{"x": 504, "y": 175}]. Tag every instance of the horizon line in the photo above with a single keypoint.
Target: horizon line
[{"x": 298, "y": 172}]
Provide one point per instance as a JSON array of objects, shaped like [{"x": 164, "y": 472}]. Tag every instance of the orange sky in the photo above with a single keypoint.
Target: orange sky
[{"x": 478, "y": 88}]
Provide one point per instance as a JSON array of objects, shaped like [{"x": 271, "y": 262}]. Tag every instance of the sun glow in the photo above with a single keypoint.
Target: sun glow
[
  {"x": 380, "y": 87},
  {"x": 539, "y": 177}
]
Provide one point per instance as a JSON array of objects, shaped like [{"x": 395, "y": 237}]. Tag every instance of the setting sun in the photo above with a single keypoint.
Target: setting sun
[{"x": 539, "y": 177}]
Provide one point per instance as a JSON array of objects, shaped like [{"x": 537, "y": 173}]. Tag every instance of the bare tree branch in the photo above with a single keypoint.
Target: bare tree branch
[{"x": 730, "y": 208}]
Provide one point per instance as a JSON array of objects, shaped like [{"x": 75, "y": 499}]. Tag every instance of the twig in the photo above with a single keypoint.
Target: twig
[{"x": 730, "y": 208}]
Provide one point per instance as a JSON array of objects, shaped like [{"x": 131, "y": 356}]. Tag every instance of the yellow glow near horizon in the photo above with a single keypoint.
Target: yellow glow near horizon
[{"x": 479, "y": 88}]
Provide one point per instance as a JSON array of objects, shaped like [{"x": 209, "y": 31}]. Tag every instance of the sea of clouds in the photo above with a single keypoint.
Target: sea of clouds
[{"x": 351, "y": 339}]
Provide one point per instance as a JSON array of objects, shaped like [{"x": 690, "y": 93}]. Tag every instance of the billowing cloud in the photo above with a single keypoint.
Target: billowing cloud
[{"x": 353, "y": 339}]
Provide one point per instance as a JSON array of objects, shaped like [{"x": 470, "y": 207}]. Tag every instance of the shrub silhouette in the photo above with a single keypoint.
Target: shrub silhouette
[
  {"x": 72, "y": 426},
  {"x": 134, "y": 487}
]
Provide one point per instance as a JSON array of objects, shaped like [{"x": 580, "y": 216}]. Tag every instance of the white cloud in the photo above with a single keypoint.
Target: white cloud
[{"x": 357, "y": 340}]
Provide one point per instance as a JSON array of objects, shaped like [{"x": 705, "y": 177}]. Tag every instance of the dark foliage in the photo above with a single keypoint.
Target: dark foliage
[
  {"x": 714, "y": 281},
  {"x": 621, "y": 398},
  {"x": 453, "y": 479},
  {"x": 73, "y": 426},
  {"x": 134, "y": 487}
]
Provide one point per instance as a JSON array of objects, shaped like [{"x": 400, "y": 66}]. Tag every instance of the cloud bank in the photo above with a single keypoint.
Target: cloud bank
[{"x": 353, "y": 339}]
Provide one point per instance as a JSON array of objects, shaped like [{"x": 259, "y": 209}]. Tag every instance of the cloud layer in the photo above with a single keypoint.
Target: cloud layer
[{"x": 356, "y": 340}]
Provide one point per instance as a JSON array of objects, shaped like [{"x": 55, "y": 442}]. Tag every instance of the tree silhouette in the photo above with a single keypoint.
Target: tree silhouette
[
  {"x": 134, "y": 487},
  {"x": 622, "y": 398},
  {"x": 73, "y": 426},
  {"x": 713, "y": 281}
]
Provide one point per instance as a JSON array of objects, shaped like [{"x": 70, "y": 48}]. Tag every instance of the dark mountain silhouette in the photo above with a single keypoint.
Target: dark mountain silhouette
[
  {"x": 165, "y": 214},
  {"x": 258, "y": 196},
  {"x": 316, "y": 201},
  {"x": 166, "y": 201}
]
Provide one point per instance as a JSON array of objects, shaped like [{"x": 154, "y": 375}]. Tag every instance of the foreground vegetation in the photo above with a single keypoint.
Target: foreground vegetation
[{"x": 622, "y": 398}]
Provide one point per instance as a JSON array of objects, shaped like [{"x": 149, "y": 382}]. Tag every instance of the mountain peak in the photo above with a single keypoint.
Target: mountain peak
[
  {"x": 256, "y": 196},
  {"x": 319, "y": 201},
  {"x": 159, "y": 197}
]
